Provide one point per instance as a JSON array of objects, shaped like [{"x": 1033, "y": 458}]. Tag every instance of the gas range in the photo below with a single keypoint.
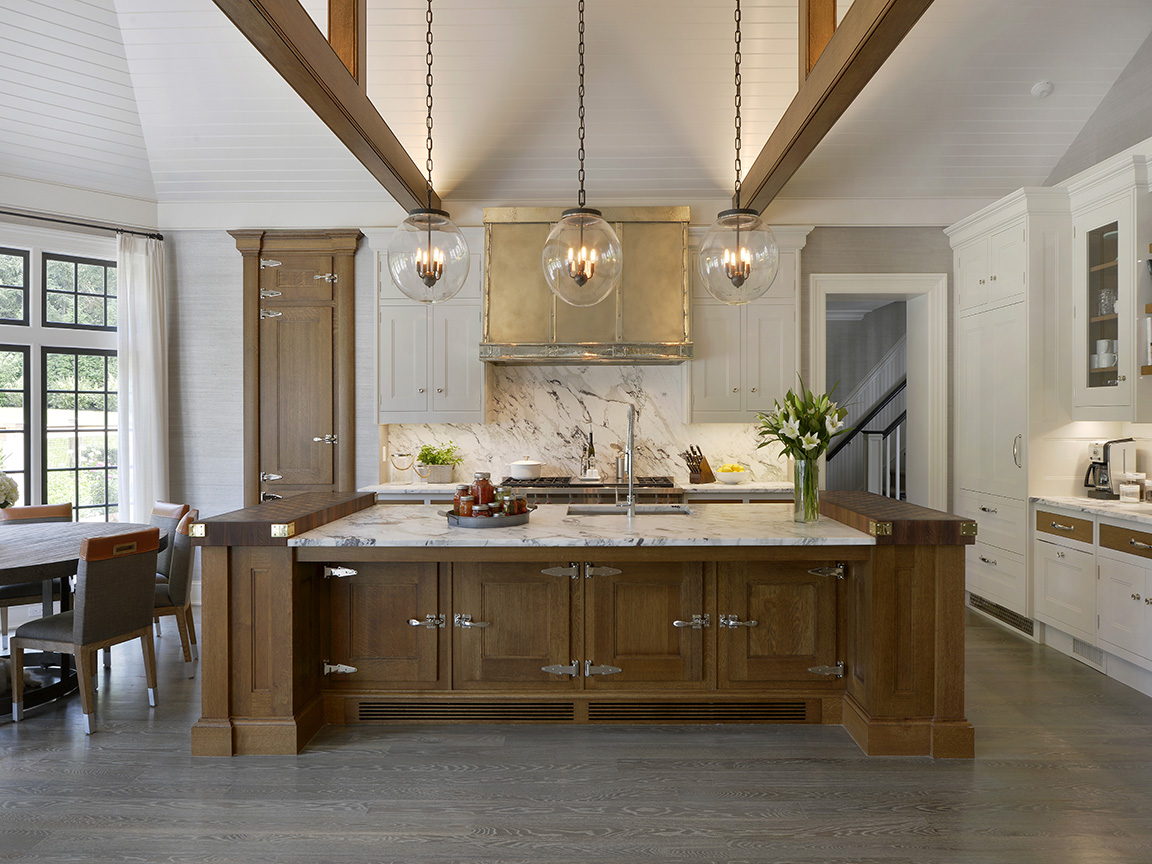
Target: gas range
[
  {"x": 566, "y": 490},
  {"x": 565, "y": 482}
]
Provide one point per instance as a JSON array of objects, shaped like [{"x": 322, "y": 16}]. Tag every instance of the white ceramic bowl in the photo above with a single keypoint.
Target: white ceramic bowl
[
  {"x": 526, "y": 469},
  {"x": 730, "y": 476}
]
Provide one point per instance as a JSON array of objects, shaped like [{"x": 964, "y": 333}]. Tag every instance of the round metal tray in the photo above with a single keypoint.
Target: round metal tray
[{"x": 487, "y": 521}]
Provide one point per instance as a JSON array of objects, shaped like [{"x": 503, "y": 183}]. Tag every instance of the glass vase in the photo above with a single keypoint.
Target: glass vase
[{"x": 806, "y": 495}]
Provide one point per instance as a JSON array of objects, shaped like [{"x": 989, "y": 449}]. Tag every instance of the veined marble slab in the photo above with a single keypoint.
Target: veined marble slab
[
  {"x": 1093, "y": 506},
  {"x": 779, "y": 486},
  {"x": 709, "y": 525}
]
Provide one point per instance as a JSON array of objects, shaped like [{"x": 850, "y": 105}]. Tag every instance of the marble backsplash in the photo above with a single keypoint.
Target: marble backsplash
[{"x": 545, "y": 413}]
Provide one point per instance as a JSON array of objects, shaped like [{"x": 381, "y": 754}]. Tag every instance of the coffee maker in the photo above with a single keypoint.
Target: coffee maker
[{"x": 1108, "y": 461}]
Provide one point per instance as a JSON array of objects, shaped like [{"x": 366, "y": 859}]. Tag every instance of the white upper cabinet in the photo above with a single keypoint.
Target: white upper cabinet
[
  {"x": 992, "y": 270},
  {"x": 1112, "y": 290}
]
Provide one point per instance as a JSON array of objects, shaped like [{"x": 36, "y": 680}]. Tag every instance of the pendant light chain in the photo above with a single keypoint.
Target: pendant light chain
[
  {"x": 428, "y": 79},
  {"x": 581, "y": 91},
  {"x": 737, "y": 104}
]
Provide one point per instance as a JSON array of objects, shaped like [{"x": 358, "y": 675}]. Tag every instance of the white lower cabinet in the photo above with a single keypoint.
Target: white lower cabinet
[
  {"x": 1125, "y": 561},
  {"x": 999, "y": 576},
  {"x": 1064, "y": 588}
]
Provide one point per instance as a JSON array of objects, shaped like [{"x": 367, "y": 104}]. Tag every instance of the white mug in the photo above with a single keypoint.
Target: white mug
[
  {"x": 1094, "y": 361},
  {"x": 1105, "y": 346},
  {"x": 1106, "y": 360}
]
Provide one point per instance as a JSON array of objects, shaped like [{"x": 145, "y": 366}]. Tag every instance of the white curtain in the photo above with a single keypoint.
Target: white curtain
[{"x": 142, "y": 341}]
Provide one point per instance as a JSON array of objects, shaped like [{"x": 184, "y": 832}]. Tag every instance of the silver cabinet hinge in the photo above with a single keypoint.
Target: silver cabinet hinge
[
  {"x": 327, "y": 277},
  {"x": 591, "y": 570},
  {"x": 270, "y": 313},
  {"x": 268, "y": 293},
  {"x": 430, "y": 621},
  {"x": 733, "y": 621},
  {"x": 339, "y": 572},
  {"x": 589, "y": 669},
  {"x": 837, "y": 571},
  {"x": 836, "y": 671},
  {"x": 267, "y": 475},
  {"x": 325, "y": 439},
  {"x": 269, "y": 262},
  {"x": 572, "y": 570},
  {"x": 338, "y": 669},
  {"x": 466, "y": 621},
  {"x": 698, "y": 622},
  {"x": 572, "y": 669}
]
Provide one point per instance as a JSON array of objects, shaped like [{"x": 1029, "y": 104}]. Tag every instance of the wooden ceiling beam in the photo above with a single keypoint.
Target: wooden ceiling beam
[
  {"x": 866, "y": 37},
  {"x": 288, "y": 39},
  {"x": 348, "y": 35}
]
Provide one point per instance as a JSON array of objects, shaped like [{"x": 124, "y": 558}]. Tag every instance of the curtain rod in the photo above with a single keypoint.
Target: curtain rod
[{"x": 154, "y": 235}]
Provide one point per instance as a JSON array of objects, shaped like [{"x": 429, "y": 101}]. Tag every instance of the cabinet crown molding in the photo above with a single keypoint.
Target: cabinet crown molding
[{"x": 1023, "y": 202}]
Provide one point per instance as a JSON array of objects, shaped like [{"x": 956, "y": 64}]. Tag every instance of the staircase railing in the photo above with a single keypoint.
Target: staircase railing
[
  {"x": 885, "y": 453},
  {"x": 847, "y": 439}
]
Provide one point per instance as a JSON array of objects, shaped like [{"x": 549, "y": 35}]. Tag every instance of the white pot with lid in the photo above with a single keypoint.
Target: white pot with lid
[{"x": 526, "y": 469}]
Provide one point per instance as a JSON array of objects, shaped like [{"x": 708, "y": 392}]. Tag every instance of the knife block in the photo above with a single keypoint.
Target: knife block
[{"x": 704, "y": 475}]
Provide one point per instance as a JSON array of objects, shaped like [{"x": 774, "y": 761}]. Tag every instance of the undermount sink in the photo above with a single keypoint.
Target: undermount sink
[{"x": 616, "y": 510}]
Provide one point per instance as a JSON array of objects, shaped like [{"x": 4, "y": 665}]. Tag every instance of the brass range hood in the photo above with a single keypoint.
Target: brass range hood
[{"x": 643, "y": 322}]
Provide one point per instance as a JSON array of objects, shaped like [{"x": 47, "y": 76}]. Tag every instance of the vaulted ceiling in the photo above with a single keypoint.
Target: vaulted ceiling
[{"x": 163, "y": 100}]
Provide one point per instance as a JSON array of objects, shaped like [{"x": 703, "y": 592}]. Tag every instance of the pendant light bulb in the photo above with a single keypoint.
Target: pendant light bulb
[
  {"x": 428, "y": 255},
  {"x": 582, "y": 258}
]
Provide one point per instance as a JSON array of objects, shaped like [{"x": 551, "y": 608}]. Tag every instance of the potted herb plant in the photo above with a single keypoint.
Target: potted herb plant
[{"x": 435, "y": 464}]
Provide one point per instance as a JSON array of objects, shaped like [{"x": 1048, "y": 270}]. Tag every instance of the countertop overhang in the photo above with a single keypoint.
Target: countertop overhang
[{"x": 550, "y": 526}]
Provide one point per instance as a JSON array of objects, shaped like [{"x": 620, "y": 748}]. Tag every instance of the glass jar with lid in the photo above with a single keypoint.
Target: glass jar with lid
[
  {"x": 482, "y": 489},
  {"x": 462, "y": 489}
]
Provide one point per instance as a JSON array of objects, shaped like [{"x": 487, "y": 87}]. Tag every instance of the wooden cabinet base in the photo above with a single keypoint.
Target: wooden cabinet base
[
  {"x": 908, "y": 737},
  {"x": 257, "y": 736}
]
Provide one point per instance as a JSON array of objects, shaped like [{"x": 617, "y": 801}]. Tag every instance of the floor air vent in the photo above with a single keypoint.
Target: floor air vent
[
  {"x": 697, "y": 712},
  {"x": 1012, "y": 619},
  {"x": 1087, "y": 651},
  {"x": 466, "y": 712}
]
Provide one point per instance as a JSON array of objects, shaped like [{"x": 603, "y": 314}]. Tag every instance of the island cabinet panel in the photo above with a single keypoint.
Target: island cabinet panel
[
  {"x": 632, "y": 614},
  {"x": 777, "y": 620},
  {"x": 519, "y": 620},
  {"x": 371, "y": 629}
]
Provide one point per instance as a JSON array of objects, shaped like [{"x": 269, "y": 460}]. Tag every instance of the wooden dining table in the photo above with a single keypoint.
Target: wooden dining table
[{"x": 42, "y": 552}]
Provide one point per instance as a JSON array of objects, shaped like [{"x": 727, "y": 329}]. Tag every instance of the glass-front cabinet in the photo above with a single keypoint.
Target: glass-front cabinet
[{"x": 1110, "y": 365}]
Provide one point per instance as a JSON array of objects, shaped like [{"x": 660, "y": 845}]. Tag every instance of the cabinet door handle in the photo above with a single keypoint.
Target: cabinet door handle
[
  {"x": 325, "y": 439},
  {"x": 439, "y": 389},
  {"x": 733, "y": 621},
  {"x": 989, "y": 509},
  {"x": 735, "y": 389},
  {"x": 1060, "y": 527},
  {"x": 419, "y": 389},
  {"x": 991, "y": 561},
  {"x": 1121, "y": 377},
  {"x": 466, "y": 621},
  {"x": 1134, "y": 542},
  {"x": 991, "y": 278},
  {"x": 1135, "y": 596},
  {"x": 698, "y": 622},
  {"x": 1016, "y": 450},
  {"x": 430, "y": 621},
  {"x": 753, "y": 389}
]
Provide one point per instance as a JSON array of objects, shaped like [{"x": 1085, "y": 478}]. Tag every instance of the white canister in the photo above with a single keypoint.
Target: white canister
[{"x": 1130, "y": 493}]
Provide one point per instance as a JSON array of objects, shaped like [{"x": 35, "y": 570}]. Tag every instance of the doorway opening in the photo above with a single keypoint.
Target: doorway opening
[{"x": 899, "y": 384}]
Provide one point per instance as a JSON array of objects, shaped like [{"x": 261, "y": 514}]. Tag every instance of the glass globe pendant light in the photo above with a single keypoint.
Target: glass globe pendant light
[
  {"x": 582, "y": 257},
  {"x": 428, "y": 255},
  {"x": 739, "y": 257}
]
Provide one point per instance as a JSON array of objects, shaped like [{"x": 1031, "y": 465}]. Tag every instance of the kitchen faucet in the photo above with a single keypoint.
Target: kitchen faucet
[{"x": 629, "y": 456}]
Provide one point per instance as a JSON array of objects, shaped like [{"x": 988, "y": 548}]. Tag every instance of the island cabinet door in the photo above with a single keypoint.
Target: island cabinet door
[
  {"x": 776, "y": 620},
  {"x": 509, "y": 621},
  {"x": 372, "y": 629},
  {"x": 649, "y": 622}
]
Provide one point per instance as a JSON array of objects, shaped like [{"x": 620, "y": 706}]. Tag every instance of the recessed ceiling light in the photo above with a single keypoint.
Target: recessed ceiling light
[{"x": 1041, "y": 89}]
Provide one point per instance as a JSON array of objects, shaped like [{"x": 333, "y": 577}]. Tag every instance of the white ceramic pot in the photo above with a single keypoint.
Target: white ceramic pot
[{"x": 526, "y": 469}]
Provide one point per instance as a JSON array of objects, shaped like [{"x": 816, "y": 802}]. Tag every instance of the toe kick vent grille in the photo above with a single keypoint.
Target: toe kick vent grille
[
  {"x": 698, "y": 712},
  {"x": 466, "y": 712},
  {"x": 1007, "y": 616}
]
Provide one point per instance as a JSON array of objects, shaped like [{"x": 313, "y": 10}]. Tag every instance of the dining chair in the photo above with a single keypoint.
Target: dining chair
[
  {"x": 174, "y": 597},
  {"x": 166, "y": 517},
  {"x": 29, "y": 593},
  {"x": 115, "y": 590}
]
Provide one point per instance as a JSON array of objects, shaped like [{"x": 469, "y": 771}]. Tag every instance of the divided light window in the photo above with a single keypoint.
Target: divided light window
[
  {"x": 81, "y": 431},
  {"x": 15, "y": 419},
  {"x": 79, "y": 292},
  {"x": 13, "y": 286}
]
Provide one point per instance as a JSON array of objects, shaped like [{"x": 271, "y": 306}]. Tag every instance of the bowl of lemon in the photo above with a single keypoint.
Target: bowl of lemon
[{"x": 730, "y": 472}]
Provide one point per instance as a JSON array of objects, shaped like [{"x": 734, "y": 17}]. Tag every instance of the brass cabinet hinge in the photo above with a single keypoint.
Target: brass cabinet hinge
[
  {"x": 197, "y": 529},
  {"x": 968, "y": 529},
  {"x": 284, "y": 530},
  {"x": 879, "y": 529}
]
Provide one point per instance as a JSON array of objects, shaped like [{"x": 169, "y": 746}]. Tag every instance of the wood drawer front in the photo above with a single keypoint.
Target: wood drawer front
[
  {"x": 1125, "y": 540},
  {"x": 1001, "y": 522},
  {"x": 1061, "y": 525}
]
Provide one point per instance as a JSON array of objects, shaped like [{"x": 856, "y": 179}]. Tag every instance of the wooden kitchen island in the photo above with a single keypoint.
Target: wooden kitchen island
[{"x": 328, "y": 608}]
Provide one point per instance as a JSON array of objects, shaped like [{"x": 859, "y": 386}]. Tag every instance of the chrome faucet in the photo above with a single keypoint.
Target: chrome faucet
[{"x": 629, "y": 461}]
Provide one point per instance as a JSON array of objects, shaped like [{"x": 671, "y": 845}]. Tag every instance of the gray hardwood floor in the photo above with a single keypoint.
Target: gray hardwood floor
[{"x": 1063, "y": 773}]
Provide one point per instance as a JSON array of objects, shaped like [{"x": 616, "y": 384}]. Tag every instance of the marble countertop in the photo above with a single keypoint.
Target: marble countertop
[
  {"x": 750, "y": 486},
  {"x": 1096, "y": 507},
  {"x": 406, "y": 525}
]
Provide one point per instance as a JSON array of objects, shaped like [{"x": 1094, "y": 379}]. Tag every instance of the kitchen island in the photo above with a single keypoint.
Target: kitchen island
[{"x": 326, "y": 608}]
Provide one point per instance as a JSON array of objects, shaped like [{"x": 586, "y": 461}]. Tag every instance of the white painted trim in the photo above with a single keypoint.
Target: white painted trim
[
  {"x": 878, "y": 212},
  {"x": 927, "y": 296}
]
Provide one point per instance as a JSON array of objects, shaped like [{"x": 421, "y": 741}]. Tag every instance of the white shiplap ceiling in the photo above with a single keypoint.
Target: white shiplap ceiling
[{"x": 164, "y": 99}]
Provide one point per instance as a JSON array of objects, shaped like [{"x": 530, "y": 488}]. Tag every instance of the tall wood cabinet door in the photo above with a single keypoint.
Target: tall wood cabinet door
[
  {"x": 296, "y": 395},
  {"x": 715, "y": 368},
  {"x": 795, "y": 622},
  {"x": 519, "y": 620},
  {"x": 632, "y": 615},
  {"x": 296, "y": 278},
  {"x": 457, "y": 371},
  {"x": 403, "y": 369},
  {"x": 371, "y": 629},
  {"x": 770, "y": 353}
]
